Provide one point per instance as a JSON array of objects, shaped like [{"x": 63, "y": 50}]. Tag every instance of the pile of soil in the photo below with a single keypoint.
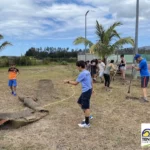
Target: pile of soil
[{"x": 45, "y": 90}]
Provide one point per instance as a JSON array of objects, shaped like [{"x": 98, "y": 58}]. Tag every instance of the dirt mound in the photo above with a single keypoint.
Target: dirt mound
[{"x": 45, "y": 90}]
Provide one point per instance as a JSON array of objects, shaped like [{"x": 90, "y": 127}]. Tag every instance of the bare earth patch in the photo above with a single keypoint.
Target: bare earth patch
[{"x": 116, "y": 124}]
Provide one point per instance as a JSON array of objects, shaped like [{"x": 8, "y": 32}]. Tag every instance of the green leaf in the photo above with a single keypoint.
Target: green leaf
[
  {"x": 82, "y": 40},
  {"x": 1, "y": 37},
  {"x": 3, "y": 45}
]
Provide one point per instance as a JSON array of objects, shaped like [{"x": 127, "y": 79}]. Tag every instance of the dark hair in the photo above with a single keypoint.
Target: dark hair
[
  {"x": 112, "y": 61},
  {"x": 96, "y": 61},
  {"x": 80, "y": 63},
  {"x": 122, "y": 55}
]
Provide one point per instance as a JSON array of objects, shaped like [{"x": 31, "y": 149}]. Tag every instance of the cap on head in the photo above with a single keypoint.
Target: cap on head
[{"x": 137, "y": 56}]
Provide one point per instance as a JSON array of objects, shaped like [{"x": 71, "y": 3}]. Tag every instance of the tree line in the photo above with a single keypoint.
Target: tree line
[
  {"x": 42, "y": 56},
  {"x": 52, "y": 52}
]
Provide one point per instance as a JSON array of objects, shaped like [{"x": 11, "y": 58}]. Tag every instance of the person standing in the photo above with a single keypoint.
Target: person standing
[
  {"x": 107, "y": 74},
  {"x": 87, "y": 88},
  {"x": 144, "y": 72},
  {"x": 88, "y": 66},
  {"x": 93, "y": 69},
  {"x": 13, "y": 73},
  {"x": 101, "y": 67},
  {"x": 123, "y": 67}
]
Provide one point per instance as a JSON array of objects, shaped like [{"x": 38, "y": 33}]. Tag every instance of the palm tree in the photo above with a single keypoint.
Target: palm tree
[
  {"x": 4, "y": 44},
  {"x": 108, "y": 40}
]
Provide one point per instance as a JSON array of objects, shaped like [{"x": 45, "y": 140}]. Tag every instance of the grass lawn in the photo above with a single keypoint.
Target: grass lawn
[{"x": 116, "y": 124}]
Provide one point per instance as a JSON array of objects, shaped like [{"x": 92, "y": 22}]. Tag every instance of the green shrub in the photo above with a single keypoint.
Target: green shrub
[{"x": 63, "y": 63}]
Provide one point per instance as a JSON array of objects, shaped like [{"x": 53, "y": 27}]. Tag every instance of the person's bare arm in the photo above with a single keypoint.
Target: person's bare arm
[
  {"x": 113, "y": 67},
  {"x": 137, "y": 68},
  {"x": 71, "y": 82},
  {"x": 18, "y": 72}
]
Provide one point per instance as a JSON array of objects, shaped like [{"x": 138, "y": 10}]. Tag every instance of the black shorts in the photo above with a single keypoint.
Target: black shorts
[
  {"x": 84, "y": 99},
  {"x": 144, "y": 81}
]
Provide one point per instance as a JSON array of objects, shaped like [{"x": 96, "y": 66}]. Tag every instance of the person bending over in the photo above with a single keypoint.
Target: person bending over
[
  {"x": 107, "y": 74},
  {"x": 143, "y": 68}
]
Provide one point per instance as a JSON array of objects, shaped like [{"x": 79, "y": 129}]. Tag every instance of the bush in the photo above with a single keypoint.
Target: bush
[
  {"x": 46, "y": 62},
  {"x": 63, "y": 63},
  {"x": 4, "y": 62},
  {"x": 31, "y": 61}
]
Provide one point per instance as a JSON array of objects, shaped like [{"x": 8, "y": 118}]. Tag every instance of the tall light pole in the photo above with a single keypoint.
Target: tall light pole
[
  {"x": 136, "y": 36},
  {"x": 85, "y": 33},
  {"x": 137, "y": 27}
]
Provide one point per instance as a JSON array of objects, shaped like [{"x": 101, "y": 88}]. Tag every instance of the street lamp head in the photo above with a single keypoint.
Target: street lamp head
[{"x": 87, "y": 12}]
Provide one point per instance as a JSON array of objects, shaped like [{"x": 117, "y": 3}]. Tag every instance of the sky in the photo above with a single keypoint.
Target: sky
[{"x": 56, "y": 23}]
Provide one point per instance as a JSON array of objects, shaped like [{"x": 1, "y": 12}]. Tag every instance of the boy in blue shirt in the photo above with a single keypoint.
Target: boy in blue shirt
[
  {"x": 143, "y": 68},
  {"x": 84, "y": 100}
]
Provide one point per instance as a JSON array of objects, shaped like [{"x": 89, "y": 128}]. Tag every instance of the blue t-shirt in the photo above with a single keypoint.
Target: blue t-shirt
[
  {"x": 143, "y": 68},
  {"x": 85, "y": 79}
]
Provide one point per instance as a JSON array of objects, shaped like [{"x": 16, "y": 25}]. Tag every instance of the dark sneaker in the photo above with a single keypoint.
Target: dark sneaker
[{"x": 12, "y": 92}]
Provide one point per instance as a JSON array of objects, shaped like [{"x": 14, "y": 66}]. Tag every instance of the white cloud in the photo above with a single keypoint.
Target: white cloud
[
  {"x": 123, "y": 8},
  {"x": 28, "y": 19}
]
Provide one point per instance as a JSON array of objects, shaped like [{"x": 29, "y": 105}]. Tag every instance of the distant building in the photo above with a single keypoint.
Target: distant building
[{"x": 81, "y": 56}]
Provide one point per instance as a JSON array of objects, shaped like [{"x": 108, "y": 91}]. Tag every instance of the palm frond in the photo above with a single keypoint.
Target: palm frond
[
  {"x": 111, "y": 32},
  {"x": 1, "y": 37},
  {"x": 3, "y": 45},
  {"x": 122, "y": 41},
  {"x": 112, "y": 27},
  {"x": 101, "y": 49},
  {"x": 100, "y": 31},
  {"x": 82, "y": 40},
  {"x": 114, "y": 34}
]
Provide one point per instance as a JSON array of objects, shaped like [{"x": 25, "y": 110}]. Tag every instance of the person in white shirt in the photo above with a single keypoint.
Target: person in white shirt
[{"x": 101, "y": 67}]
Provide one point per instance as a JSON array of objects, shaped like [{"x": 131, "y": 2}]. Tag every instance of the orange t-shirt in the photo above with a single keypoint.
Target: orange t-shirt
[{"x": 13, "y": 73}]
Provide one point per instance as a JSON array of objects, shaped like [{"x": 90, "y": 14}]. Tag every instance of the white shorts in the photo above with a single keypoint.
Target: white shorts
[
  {"x": 123, "y": 68},
  {"x": 101, "y": 74}
]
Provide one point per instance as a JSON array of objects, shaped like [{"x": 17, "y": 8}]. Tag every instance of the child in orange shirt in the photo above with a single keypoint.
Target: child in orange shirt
[{"x": 13, "y": 72}]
